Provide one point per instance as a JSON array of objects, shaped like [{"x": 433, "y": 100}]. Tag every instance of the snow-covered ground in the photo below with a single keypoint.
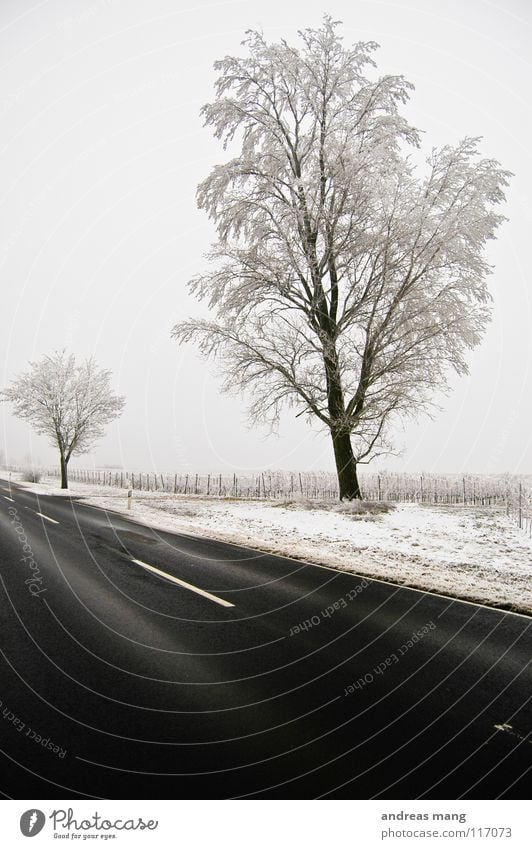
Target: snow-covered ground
[{"x": 465, "y": 552}]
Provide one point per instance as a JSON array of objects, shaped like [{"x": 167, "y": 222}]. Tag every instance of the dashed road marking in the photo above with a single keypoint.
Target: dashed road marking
[
  {"x": 509, "y": 729},
  {"x": 181, "y": 583},
  {"x": 42, "y": 515}
]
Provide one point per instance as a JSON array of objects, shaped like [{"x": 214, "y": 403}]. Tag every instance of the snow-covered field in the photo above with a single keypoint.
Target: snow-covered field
[{"x": 466, "y": 552}]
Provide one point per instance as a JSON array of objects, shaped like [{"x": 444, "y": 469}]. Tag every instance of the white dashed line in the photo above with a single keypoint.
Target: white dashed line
[
  {"x": 184, "y": 584},
  {"x": 46, "y": 517},
  {"x": 7, "y": 498}
]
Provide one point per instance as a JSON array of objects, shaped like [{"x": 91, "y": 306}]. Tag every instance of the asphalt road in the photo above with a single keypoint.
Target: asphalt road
[{"x": 250, "y": 675}]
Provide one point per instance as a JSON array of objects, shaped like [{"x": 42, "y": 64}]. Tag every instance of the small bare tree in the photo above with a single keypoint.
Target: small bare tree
[
  {"x": 70, "y": 403},
  {"x": 343, "y": 283}
]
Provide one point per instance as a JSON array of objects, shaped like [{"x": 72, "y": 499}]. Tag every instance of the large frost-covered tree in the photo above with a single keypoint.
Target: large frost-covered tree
[
  {"x": 67, "y": 402},
  {"x": 345, "y": 281}
]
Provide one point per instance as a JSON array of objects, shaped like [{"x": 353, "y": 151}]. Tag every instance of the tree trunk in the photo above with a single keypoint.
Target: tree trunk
[
  {"x": 64, "y": 475},
  {"x": 346, "y": 467}
]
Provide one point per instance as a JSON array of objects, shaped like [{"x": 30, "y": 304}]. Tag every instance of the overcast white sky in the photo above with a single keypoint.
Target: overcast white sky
[{"x": 101, "y": 150}]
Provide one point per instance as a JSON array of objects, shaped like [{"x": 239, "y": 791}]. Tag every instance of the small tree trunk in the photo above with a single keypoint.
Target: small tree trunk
[
  {"x": 64, "y": 475},
  {"x": 346, "y": 467}
]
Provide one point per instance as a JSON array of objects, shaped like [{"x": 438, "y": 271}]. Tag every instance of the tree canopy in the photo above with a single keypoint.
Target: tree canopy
[
  {"x": 68, "y": 402},
  {"x": 345, "y": 281}
]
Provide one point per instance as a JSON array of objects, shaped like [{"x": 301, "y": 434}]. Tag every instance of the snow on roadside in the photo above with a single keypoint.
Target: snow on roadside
[{"x": 471, "y": 553}]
